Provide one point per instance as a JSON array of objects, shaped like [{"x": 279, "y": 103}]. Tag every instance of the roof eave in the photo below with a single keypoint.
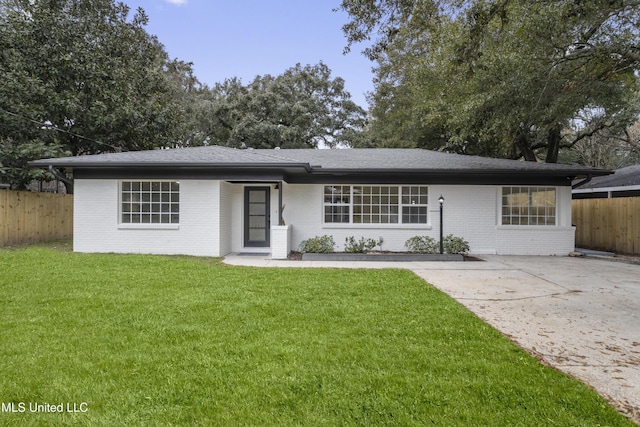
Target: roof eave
[
  {"x": 172, "y": 165},
  {"x": 461, "y": 171}
]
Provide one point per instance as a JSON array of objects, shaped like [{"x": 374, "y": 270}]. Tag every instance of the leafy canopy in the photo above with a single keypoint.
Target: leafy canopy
[
  {"x": 508, "y": 78},
  {"x": 302, "y": 108},
  {"x": 83, "y": 77}
]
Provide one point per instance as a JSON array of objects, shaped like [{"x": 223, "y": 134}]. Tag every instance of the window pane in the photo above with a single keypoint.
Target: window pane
[
  {"x": 140, "y": 202},
  {"x": 528, "y": 206},
  {"x": 415, "y": 204},
  {"x": 375, "y": 204}
]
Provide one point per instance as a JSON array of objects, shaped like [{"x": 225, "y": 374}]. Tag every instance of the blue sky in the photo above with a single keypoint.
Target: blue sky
[{"x": 245, "y": 38}]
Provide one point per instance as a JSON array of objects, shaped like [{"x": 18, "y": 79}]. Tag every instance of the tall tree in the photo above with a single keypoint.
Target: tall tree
[
  {"x": 499, "y": 77},
  {"x": 302, "y": 108},
  {"x": 83, "y": 76},
  {"x": 611, "y": 148}
]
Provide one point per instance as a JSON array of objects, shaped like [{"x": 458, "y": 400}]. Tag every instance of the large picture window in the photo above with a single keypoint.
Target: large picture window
[
  {"x": 528, "y": 206},
  {"x": 375, "y": 204},
  {"x": 150, "y": 202}
]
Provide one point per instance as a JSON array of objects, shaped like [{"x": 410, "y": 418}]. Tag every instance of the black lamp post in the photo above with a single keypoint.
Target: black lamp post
[{"x": 441, "y": 201}]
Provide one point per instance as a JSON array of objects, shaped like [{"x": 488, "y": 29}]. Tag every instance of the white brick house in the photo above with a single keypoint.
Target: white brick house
[{"x": 213, "y": 201}]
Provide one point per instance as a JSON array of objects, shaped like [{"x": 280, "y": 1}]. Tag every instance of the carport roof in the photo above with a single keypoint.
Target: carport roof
[{"x": 624, "y": 177}]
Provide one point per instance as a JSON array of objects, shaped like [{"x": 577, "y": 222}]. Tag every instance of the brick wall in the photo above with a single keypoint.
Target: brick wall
[
  {"x": 211, "y": 221},
  {"x": 97, "y": 229}
]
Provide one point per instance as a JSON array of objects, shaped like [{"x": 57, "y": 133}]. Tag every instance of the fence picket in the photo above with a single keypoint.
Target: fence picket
[
  {"x": 608, "y": 224},
  {"x": 27, "y": 217}
]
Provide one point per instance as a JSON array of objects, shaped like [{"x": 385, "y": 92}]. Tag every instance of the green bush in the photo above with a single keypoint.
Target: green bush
[
  {"x": 429, "y": 245},
  {"x": 422, "y": 245},
  {"x": 317, "y": 245},
  {"x": 359, "y": 247},
  {"x": 455, "y": 245}
]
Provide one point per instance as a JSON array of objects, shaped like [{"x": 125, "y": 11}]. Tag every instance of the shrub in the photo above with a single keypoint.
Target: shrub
[
  {"x": 455, "y": 245},
  {"x": 429, "y": 245},
  {"x": 317, "y": 245},
  {"x": 422, "y": 245},
  {"x": 359, "y": 247}
]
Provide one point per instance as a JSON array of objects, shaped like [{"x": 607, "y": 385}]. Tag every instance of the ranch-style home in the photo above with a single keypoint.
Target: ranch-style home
[{"x": 213, "y": 200}]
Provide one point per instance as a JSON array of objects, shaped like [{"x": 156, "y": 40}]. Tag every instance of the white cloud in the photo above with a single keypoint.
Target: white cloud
[{"x": 177, "y": 2}]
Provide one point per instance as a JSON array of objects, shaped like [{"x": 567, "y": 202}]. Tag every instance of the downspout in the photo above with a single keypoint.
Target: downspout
[
  {"x": 586, "y": 180},
  {"x": 68, "y": 182}
]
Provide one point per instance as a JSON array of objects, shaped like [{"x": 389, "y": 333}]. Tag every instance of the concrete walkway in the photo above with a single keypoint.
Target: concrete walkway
[{"x": 580, "y": 315}]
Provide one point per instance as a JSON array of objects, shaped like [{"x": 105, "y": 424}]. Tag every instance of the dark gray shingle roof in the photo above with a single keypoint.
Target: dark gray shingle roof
[
  {"x": 623, "y": 177},
  {"x": 380, "y": 159}
]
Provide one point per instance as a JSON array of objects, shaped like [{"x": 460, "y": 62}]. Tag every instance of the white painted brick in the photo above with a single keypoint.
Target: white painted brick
[
  {"x": 212, "y": 212},
  {"x": 96, "y": 225},
  {"x": 280, "y": 241}
]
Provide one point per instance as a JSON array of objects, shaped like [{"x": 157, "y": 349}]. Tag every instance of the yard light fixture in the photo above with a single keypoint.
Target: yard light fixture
[{"x": 441, "y": 201}]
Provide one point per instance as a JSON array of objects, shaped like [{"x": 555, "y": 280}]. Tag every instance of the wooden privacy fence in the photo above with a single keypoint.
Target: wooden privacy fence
[
  {"x": 608, "y": 224},
  {"x": 27, "y": 217}
]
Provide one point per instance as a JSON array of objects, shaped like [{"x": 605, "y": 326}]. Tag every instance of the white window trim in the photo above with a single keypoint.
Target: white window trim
[
  {"x": 144, "y": 226},
  {"x": 502, "y": 226},
  {"x": 374, "y": 226},
  {"x": 344, "y": 225},
  {"x": 147, "y": 226}
]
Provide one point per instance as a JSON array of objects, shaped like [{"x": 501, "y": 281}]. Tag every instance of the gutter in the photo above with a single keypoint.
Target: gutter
[
  {"x": 196, "y": 165},
  {"x": 460, "y": 171}
]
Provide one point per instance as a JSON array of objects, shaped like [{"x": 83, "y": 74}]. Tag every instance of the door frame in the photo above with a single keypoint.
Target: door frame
[{"x": 257, "y": 243}]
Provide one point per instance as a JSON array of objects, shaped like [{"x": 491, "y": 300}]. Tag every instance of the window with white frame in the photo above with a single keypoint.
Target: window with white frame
[
  {"x": 414, "y": 204},
  {"x": 150, "y": 202},
  {"x": 375, "y": 204},
  {"x": 337, "y": 203},
  {"x": 528, "y": 206}
]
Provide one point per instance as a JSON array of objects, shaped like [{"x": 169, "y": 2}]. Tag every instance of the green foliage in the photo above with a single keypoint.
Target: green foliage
[
  {"x": 14, "y": 158},
  {"x": 422, "y": 245},
  {"x": 317, "y": 245},
  {"x": 302, "y": 108},
  {"x": 429, "y": 245},
  {"x": 455, "y": 245},
  {"x": 361, "y": 246},
  {"x": 154, "y": 340},
  {"x": 83, "y": 75},
  {"x": 499, "y": 78}
]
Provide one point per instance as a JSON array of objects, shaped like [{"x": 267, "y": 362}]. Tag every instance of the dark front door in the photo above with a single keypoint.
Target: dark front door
[{"x": 257, "y": 227}]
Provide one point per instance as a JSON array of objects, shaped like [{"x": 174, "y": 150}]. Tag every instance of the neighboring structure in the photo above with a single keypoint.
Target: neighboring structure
[
  {"x": 215, "y": 200},
  {"x": 624, "y": 183}
]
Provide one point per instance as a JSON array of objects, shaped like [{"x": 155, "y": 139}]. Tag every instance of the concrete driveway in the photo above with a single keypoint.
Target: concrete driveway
[{"x": 580, "y": 315}]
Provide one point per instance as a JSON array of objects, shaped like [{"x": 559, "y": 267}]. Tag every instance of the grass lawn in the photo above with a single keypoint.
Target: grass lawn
[{"x": 152, "y": 340}]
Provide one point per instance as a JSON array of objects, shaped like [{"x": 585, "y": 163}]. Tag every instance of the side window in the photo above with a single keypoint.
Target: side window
[
  {"x": 150, "y": 202},
  {"x": 528, "y": 206}
]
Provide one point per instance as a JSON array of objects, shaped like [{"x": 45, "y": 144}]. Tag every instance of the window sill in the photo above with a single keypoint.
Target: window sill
[
  {"x": 378, "y": 226},
  {"x": 148, "y": 226},
  {"x": 534, "y": 227}
]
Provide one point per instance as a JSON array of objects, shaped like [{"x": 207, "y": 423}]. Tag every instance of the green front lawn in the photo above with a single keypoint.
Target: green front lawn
[{"x": 152, "y": 340}]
